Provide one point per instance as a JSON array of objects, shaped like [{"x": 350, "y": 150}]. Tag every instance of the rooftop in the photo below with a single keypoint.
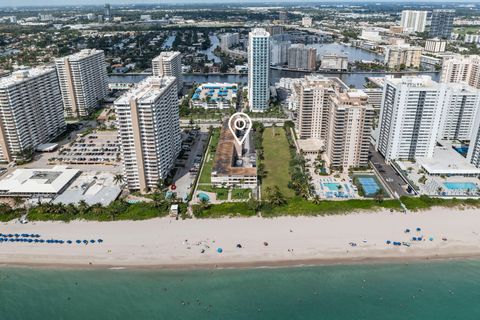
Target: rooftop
[
  {"x": 225, "y": 156},
  {"x": 447, "y": 161},
  {"x": 166, "y": 55},
  {"x": 82, "y": 54},
  {"x": 421, "y": 81},
  {"x": 216, "y": 91},
  {"x": 24, "y": 75},
  {"x": 35, "y": 181},
  {"x": 147, "y": 90}
]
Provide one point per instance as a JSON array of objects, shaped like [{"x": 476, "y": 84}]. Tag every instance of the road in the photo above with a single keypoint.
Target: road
[
  {"x": 183, "y": 180},
  {"x": 389, "y": 175}
]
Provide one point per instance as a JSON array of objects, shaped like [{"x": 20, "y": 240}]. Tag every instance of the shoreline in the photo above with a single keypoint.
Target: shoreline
[
  {"x": 239, "y": 243},
  {"x": 248, "y": 265}
]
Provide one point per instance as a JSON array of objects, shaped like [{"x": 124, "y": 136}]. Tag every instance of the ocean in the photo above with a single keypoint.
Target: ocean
[{"x": 429, "y": 290}]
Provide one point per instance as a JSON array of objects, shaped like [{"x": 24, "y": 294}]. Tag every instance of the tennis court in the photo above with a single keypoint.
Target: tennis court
[{"x": 369, "y": 185}]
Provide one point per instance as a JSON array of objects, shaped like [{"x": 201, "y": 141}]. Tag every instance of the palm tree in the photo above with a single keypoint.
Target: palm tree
[
  {"x": 274, "y": 196},
  {"x": 118, "y": 179},
  {"x": 317, "y": 199},
  {"x": 378, "y": 196},
  {"x": 160, "y": 184}
]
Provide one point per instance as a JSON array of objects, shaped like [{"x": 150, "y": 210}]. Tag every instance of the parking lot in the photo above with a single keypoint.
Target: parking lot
[
  {"x": 189, "y": 161},
  {"x": 98, "y": 148}
]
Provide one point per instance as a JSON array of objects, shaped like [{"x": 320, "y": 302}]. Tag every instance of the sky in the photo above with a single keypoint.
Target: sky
[{"x": 8, "y": 3}]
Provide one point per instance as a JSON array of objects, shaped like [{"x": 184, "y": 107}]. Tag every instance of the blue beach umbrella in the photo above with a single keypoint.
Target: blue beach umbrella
[
  {"x": 41, "y": 241},
  {"x": 418, "y": 229},
  {"x": 78, "y": 241},
  {"x": 36, "y": 240},
  {"x": 219, "y": 250},
  {"x": 69, "y": 241},
  {"x": 92, "y": 241},
  {"x": 388, "y": 241},
  {"x": 407, "y": 230},
  {"x": 414, "y": 239},
  {"x": 30, "y": 240},
  {"x": 11, "y": 240},
  {"x": 99, "y": 240},
  {"x": 85, "y": 241}
]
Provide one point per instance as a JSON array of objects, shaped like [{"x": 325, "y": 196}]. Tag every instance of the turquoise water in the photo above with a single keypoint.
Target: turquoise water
[
  {"x": 332, "y": 186},
  {"x": 437, "y": 290},
  {"x": 460, "y": 185},
  {"x": 369, "y": 185}
]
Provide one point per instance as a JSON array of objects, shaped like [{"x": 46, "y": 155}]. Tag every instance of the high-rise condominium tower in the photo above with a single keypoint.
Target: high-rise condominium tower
[
  {"x": 313, "y": 100},
  {"x": 149, "y": 131},
  {"x": 258, "y": 70},
  {"x": 442, "y": 23},
  {"x": 350, "y": 124},
  {"x": 169, "y": 64},
  {"x": 413, "y": 21},
  {"x": 410, "y": 118},
  {"x": 462, "y": 69},
  {"x": 83, "y": 81},
  {"x": 31, "y": 111}
]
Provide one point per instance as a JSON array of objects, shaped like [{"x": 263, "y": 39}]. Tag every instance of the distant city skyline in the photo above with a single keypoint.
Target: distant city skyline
[{"x": 16, "y": 3}]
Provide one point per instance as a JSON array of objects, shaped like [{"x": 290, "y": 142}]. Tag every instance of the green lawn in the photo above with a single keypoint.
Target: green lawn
[
  {"x": 277, "y": 158},
  {"x": 207, "y": 166},
  {"x": 300, "y": 207},
  {"x": 425, "y": 202},
  {"x": 241, "y": 193},
  {"x": 227, "y": 209}
]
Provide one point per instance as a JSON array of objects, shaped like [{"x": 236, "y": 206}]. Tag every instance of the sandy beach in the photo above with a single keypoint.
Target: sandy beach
[{"x": 167, "y": 243}]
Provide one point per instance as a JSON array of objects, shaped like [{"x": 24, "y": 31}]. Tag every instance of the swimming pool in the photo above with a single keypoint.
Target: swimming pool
[
  {"x": 332, "y": 186},
  {"x": 463, "y": 150},
  {"x": 460, "y": 186}
]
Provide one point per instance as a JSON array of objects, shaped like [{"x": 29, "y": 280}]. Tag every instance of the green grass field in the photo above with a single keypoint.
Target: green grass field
[
  {"x": 207, "y": 166},
  {"x": 238, "y": 194},
  {"x": 277, "y": 158},
  {"x": 227, "y": 209}
]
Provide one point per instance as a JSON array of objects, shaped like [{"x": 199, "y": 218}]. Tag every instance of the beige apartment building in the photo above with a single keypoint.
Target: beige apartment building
[
  {"x": 83, "y": 81},
  {"x": 149, "y": 131},
  {"x": 402, "y": 55},
  {"x": 462, "y": 69},
  {"x": 350, "y": 124}
]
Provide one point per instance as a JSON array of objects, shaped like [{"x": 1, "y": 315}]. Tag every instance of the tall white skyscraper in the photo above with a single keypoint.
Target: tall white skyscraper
[
  {"x": 31, "y": 111},
  {"x": 460, "y": 104},
  {"x": 462, "y": 69},
  {"x": 149, "y": 131},
  {"x": 410, "y": 118},
  {"x": 83, "y": 81},
  {"x": 413, "y": 21},
  {"x": 258, "y": 70},
  {"x": 169, "y": 64},
  {"x": 473, "y": 155}
]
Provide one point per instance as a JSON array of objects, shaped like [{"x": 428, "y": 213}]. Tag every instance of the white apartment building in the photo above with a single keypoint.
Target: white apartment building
[
  {"x": 334, "y": 62},
  {"x": 228, "y": 40},
  {"x": 307, "y": 22},
  {"x": 461, "y": 69},
  {"x": 149, "y": 131},
  {"x": 83, "y": 81},
  {"x": 350, "y": 124},
  {"x": 410, "y": 118},
  {"x": 472, "y": 38},
  {"x": 169, "y": 64},
  {"x": 473, "y": 155},
  {"x": 312, "y": 97},
  {"x": 258, "y": 70},
  {"x": 31, "y": 111},
  {"x": 413, "y": 21},
  {"x": 302, "y": 58},
  {"x": 280, "y": 52},
  {"x": 435, "y": 45},
  {"x": 460, "y": 104},
  {"x": 406, "y": 55}
]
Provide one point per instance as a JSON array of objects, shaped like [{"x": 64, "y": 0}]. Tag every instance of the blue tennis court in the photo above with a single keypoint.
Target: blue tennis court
[{"x": 369, "y": 185}]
